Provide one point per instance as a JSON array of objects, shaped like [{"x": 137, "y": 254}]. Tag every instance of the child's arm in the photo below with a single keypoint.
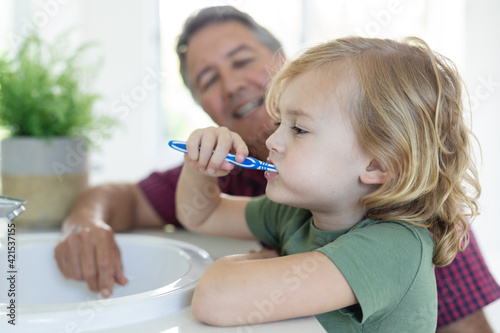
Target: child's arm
[
  {"x": 200, "y": 205},
  {"x": 253, "y": 288}
]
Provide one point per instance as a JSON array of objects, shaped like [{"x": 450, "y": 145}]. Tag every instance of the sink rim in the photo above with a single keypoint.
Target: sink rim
[
  {"x": 180, "y": 291},
  {"x": 33, "y": 238}
]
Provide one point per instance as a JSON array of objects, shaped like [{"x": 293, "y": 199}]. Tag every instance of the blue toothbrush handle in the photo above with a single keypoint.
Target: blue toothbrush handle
[
  {"x": 178, "y": 145},
  {"x": 249, "y": 162}
]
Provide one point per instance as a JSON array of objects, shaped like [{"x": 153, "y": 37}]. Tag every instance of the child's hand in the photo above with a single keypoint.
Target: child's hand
[{"x": 208, "y": 147}]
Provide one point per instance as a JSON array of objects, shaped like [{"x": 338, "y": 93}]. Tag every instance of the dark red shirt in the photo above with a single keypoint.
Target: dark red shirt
[
  {"x": 465, "y": 286},
  {"x": 159, "y": 188}
]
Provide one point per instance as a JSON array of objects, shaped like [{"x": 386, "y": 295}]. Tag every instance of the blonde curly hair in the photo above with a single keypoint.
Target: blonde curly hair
[{"x": 405, "y": 106}]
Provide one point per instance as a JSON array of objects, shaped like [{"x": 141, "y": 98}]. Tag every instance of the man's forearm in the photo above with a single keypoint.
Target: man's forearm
[{"x": 110, "y": 204}]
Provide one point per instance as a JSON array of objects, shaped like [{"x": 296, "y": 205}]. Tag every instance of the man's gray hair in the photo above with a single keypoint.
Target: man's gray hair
[{"x": 213, "y": 15}]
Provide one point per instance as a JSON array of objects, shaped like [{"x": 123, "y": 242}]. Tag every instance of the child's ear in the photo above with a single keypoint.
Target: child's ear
[{"x": 375, "y": 173}]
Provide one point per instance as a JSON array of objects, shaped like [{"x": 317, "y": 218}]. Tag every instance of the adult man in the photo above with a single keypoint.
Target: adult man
[{"x": 226, "y": 61}]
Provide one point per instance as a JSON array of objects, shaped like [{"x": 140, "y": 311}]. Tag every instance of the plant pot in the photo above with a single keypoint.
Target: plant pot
[{"x": 48, "y": 173}]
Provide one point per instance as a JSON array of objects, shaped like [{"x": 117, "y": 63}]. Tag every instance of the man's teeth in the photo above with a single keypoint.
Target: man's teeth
[{"x": 247, "y": 108}]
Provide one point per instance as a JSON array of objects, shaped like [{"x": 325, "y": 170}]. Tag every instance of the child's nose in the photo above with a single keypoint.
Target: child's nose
[{"x": 273, "y": 142}]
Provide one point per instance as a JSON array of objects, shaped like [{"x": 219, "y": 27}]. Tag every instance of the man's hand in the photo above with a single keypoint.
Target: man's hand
[
  {"x": 91, "y": 254},
  {"x": 87, "y": 250}
]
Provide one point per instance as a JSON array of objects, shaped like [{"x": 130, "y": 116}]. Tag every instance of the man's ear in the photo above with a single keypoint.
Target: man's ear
[{"x": 375, "y": 173}]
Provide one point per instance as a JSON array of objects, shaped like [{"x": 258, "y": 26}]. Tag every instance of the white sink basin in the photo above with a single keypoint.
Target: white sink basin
[{"x": 162, "y": 274}]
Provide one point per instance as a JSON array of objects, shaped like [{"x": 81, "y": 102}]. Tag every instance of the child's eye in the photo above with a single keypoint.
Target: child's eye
[
  {"x": 298, "y": 130},
  {"x": 277, "y": 123}
]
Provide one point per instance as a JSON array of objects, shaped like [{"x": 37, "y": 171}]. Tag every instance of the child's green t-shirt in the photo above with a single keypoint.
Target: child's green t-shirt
[{"x": 387, "y": 264}]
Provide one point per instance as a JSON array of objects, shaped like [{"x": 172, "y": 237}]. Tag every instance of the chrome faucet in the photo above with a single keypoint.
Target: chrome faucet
[{"x": 10, "y": 208}]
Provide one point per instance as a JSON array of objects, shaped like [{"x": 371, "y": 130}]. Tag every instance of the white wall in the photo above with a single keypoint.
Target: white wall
[
  {"x": 129, "y": 80},
  {"x": 482, "y": 74}
]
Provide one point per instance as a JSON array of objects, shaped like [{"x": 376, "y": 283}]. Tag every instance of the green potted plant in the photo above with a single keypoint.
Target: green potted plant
[{"x": 48, "y": 116}]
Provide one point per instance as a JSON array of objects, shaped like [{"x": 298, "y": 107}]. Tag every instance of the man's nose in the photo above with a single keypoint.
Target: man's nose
[{"x": 232, "y": 82}]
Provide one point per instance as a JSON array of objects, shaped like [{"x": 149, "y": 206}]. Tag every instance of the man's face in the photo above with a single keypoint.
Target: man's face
[{"x": 229, "y": 70}]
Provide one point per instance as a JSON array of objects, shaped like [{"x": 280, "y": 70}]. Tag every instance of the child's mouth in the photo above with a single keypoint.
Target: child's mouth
[{"x": 270, "y": 175}]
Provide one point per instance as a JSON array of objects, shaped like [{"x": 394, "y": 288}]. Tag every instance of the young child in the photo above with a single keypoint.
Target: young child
[{"x": 374, "y": 173}]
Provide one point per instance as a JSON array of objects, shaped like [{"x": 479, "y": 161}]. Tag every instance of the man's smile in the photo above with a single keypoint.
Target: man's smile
[{"x": 248, "y": 108}]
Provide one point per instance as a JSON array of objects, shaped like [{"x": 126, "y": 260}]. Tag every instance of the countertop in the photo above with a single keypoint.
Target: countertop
[{"x": 183, "y": 320}]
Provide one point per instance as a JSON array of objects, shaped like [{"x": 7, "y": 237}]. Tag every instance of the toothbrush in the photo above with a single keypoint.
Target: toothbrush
[{"x": 249, "y": 162}]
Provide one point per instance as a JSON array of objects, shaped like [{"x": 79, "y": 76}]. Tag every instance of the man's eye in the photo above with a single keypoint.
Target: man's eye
[
  {"x": 242, "y": 62},
  {"x": 209, "y": 82}
]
